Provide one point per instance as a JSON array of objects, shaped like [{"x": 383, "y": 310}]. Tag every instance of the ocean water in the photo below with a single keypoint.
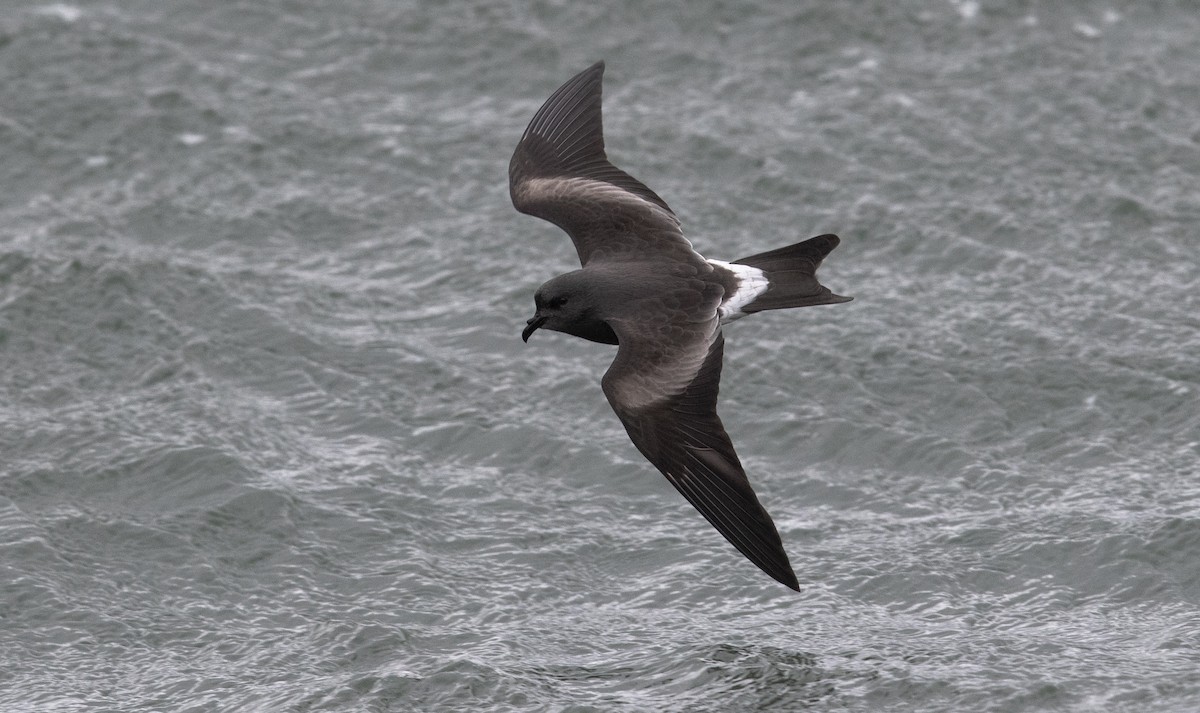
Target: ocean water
[{"x": 270, "y": 440}]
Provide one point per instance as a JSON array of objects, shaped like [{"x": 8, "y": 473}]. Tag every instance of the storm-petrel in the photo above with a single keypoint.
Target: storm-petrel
[{"x": 644, "y": 288}]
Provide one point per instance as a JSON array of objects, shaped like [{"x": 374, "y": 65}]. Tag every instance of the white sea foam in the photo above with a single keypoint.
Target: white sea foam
[{"x": 64, "y": 12}]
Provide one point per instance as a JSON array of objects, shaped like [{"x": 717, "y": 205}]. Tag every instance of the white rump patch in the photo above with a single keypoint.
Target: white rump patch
[{"x": 752, "y": 283}]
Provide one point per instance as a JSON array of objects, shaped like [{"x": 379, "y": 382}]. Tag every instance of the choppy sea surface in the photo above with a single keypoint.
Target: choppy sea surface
[{"x": 270, "y": 440}]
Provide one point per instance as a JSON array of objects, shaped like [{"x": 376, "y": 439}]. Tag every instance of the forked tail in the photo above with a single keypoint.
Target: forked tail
[{"x": 792, "y": 275}]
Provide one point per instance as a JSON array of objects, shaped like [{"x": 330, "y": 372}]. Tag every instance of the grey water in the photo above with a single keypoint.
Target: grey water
[{"x": 270, "y": 440}]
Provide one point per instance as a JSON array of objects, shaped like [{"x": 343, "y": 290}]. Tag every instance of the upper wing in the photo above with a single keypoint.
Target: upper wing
[
  {"x": 559, "y": 172},
  {"x": 665, "y": 393}
]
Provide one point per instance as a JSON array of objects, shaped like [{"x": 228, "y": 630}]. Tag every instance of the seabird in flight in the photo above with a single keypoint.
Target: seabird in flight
[{"x": 643, "y": 287}]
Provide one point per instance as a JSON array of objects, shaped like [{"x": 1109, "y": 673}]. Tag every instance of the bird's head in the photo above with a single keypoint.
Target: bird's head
[{"x": 567, "y": 304}]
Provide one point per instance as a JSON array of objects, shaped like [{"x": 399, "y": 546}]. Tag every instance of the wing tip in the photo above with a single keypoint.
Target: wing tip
[
  {"x": 790, "y": 581},
  {"x": 781, "y": 572}
]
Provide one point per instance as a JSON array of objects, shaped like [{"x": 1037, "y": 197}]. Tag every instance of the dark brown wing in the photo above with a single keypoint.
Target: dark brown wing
[
  {"x": 559, "y": 172},
  {"x": 663, "y": 386}
]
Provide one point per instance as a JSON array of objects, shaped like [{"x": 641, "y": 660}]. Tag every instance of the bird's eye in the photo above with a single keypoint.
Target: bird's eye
[{"x": 558, "y": 301}]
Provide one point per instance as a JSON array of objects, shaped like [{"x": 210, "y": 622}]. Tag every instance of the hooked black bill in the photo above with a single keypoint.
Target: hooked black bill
[{"x": 531, "y": 326}]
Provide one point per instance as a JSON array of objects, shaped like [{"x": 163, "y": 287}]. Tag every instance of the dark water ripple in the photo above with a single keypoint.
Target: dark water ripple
[{"x": 269, "y": 439}]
